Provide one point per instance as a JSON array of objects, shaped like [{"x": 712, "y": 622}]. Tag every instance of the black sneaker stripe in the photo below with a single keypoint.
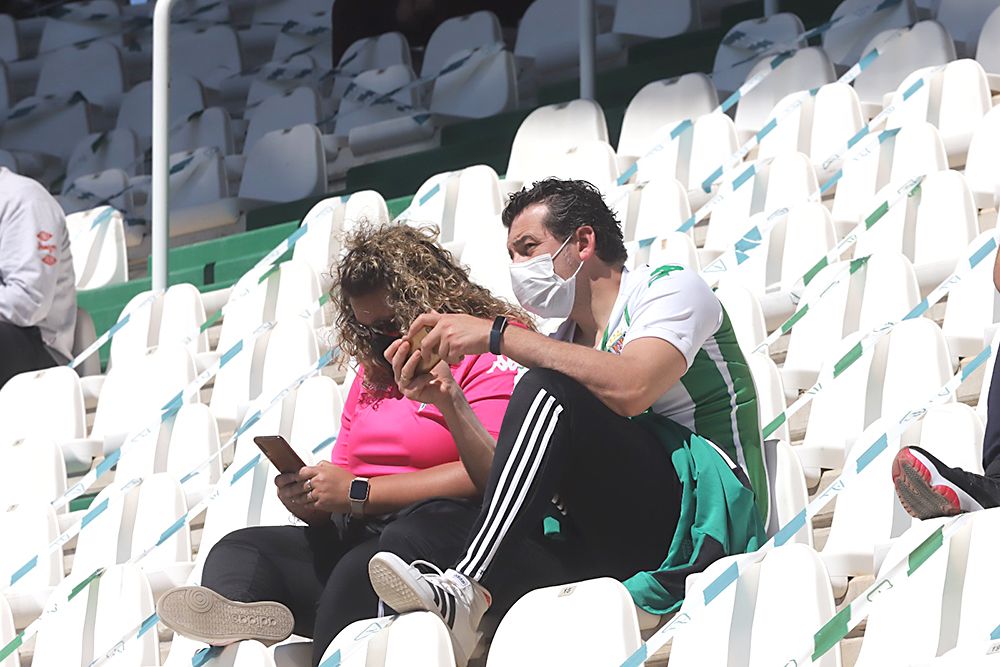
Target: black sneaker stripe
[
  {"x": 437, "y": 598},
  {"x": 452, "y": 602}
]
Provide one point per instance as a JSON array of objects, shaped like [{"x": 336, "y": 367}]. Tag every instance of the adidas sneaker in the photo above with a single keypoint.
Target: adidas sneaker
[
  {"x": 201, "y": 614},
  {"x": 458, "y": 600},
  {"x": 927, "y": 488}
]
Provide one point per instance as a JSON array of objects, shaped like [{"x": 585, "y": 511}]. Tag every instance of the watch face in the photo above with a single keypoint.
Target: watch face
[{"x": 359, "y": 490}]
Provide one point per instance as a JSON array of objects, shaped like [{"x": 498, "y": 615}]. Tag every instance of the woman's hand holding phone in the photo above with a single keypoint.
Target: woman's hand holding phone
[{"x": 314, "y": 492}]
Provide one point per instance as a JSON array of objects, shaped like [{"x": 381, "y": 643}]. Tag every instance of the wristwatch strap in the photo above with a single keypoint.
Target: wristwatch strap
[
  {"x": 358, "y": 504},
  {"x": 499, "y": 324}
]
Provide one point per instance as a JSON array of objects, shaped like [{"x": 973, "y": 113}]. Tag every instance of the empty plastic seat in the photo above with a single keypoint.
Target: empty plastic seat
[
  {"x": 92, "y": 19},
  {"x": 955, "y": 102},
  {"x": 58, "y": 389},
  {"x": 136, "y": 110},
  {"x": 770, "y": 392},
  {"x": 982, "y": 168},
  {"x": 653, "y": 19},
  {"x": 134, "y": 522},
  {"x": 836, "y": 118},
  {"x": 97, "y": 242},
  {"x": 285, "y": 165},
  {"x": 943, "y": 605},
  {"x": 541, "y": 626},
  {"x": 92, "y": 623},
  {"x": 791, "y": 130},
  {"x": 660, "y": 103},
  {"x": 50, "y": 127},
  {"x": 964, "y": 20},
  {"x": 477, "y": 202},
  {"x": 926, "y": 44},
  {"x": 485, "y": 256},
  {"x": 554, "y": 52},
  {"x": 923, "y": 591},
  {"x": 973, "y": 304},
  {"x": 71, "y": 70},
  {"x": 661, "y": 209},
  {"x": 7, "y": 634},
  {"x": 550, "y": 131},
  {"x": 591, "y": 161},
  {"x": 783, "y": 182},
  {"x": 35, "y": 525},
  {"x": 934, "y": 235},
  {"x": 118, "y": 148},
  {"x": 175, "y": 318},
  {"x": 953, "y": 432},
  {"x": 795, "y": 243},
  {"x": 111, "y": 186},
  {"x": 807, "y": 69},
  {"x": 132, "y": 397},
  {"x": 211, "y": 55},
  {"x": 733, "y": 60},
  {"x": 916, "y": 150},
  {"x": 371, "y": 53},
  {"x": 764, "y": 618},
  {"x": 208, "y": 128},
  {"x": 884, "y": 290},
  {"x": 357, "y": 112},
  {"x": 279, "y": 112},
  {"x": 846, "y": 44},
  {"x": 47, "y": 480},
  {"x": 10, "y": 45},
  {"x": 478, "y": 29},
  {"x": 283, "y": 296},
  {"x": 744, "y": 314},
  {"x": 906, "y": 368},
  {"x": 392, "y": 642},
  {"x": 988, "y": 49},
  {"x": 484, "y": 86},
  {"x": 693, "y": 157}
]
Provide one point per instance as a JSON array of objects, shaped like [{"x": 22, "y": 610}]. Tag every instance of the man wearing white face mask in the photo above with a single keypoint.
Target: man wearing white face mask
[{"x": 638, "y": 418}]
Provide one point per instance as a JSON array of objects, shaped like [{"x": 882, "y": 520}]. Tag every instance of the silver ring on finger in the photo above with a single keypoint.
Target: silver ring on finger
[
  {"x": 309, "y": 485},
  {"x": 309, "y": 497}
]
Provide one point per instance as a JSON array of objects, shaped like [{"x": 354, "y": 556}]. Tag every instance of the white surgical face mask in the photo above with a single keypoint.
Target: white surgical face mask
[{"x": 540, "y": 289}]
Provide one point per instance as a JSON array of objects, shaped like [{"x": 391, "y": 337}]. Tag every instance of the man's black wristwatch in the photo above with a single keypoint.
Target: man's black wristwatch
[{"x": 499, "y": 324}]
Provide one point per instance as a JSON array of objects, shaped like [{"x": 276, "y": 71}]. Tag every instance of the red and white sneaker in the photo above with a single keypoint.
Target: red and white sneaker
[
  {"x": 458, "y": 600},
  {"x": 927, "y": 488}
]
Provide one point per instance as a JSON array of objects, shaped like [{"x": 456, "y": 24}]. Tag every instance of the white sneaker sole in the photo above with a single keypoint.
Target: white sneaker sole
[
  {"x": 396, "y": 587},
  {"x": 203, "y": 615}
]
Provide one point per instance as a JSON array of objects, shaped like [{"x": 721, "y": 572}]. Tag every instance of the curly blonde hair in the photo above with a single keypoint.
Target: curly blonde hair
[{"x": 417, "y": 275}]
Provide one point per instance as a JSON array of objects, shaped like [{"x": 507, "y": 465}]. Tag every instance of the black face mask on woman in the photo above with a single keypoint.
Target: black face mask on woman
[{"x": 381, "y": 343}]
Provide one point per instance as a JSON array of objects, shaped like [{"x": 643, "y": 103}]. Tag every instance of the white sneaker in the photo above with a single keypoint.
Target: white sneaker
[{"x": 459, "y": 601}]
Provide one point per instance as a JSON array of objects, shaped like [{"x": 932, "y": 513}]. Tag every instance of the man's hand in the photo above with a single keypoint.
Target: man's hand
[
  {"x": 326, "y": 487},
  {"x": 453, "y": 336},
  {"x": 437, "y": 388}
]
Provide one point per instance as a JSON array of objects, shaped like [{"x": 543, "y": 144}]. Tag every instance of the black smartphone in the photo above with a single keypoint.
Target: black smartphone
[{"x": 280, "y": 453}]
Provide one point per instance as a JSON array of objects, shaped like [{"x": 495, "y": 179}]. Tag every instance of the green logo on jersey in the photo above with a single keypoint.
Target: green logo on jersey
[{"x": 663, "y": 271}]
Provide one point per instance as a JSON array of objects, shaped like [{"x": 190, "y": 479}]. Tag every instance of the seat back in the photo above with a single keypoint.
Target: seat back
[
  {"x": 734, "y": 62},
  {"x": 356, "y": 110},
  {"x": 35, "y": 524},
  {"x": 58, "y": 33},
  {"x": 600, "y": 609},
  {"x": 661, "y": 103},
  {"x": 663, "y": 207},
  {"x": 788, "y": 493},
  {"x": 279, "y": 112},
  {"x": 99, "y": 616},
  {"x": 58, "y": 389},
  {"x": 7, "y": 634},
  {"x": 285, "y": 165},
  {"x": 926, "y": 44},
  {"x": 97, "y": 242},
  {"x": 973, "y": 304},
  {"x": 136, "y": 110},
  {"x": 67, "y": 70},
  {"x": 209, "y": 54},
  {"x": 375, "y": 642},
  {"x": 105, "y": 150},
  {"x": 478, "y": 29},
  {"x": 209, "y": 128},
  {"x": 551, "y": 131},
  {"x": 485, "y": 85},
  {"x": 953, "y": 432},
  {"x": 745, "y": 314},
  {"x": 836, "y": 118},
  {"x": 770, "y": 391},
  {"x": 47, "y": 478}
]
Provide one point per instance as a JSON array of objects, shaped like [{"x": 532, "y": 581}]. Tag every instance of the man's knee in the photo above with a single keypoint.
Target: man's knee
[{"x": 553, "y": 382}]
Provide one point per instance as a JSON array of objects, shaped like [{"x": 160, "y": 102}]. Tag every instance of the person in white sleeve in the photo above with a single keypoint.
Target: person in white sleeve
[{"x": 37, "y": 284}]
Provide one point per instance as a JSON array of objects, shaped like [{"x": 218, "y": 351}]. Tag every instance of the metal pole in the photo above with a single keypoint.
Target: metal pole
[
  {"x": 587, "y": 49},
  {"x": 771, "y": 7},
  {"x": 161, "y": 142}
]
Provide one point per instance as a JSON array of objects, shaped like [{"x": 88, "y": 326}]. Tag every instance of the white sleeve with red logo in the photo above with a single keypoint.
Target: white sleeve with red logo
[{"x": 34, "y": 258}]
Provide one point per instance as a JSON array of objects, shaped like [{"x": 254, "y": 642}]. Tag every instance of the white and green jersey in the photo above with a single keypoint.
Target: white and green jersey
[{"x": 715, "y": 398}]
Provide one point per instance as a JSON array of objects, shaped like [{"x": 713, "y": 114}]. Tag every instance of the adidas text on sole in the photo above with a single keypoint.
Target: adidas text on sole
[{"x": 202, "y": 614}]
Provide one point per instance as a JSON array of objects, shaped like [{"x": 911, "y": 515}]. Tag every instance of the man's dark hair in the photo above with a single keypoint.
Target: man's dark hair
[{"x": 571, "y": 205}]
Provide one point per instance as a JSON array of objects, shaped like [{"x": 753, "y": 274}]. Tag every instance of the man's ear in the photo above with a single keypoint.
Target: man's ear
[{"x": 586, "y": 242}]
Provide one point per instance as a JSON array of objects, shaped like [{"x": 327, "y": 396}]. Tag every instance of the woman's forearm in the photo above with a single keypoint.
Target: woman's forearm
[
  {"x": 390, "y": 493},
  {"x": 474, "y": 442}
]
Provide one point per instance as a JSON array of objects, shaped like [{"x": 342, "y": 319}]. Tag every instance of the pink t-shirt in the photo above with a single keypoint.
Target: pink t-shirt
[{"x": 398, "y": 435}]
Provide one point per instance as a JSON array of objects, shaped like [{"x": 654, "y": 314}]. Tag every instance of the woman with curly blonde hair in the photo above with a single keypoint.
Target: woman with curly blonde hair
[{"x": 395, "y": 480}]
